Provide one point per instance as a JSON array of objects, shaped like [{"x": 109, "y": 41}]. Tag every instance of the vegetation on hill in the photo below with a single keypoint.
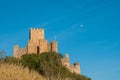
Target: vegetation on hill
[
  {"x": 47, "y": 64},
  {"x": 15, "y": 72}
]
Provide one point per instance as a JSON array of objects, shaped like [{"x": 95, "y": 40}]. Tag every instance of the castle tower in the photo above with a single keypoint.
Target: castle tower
[
  {"x": 37, "y": 43},
  {"x": 54, "y": 46},
  {"x": 67, "y": 60},
  {"x": 18, "y": 52},
  {"x": 67, "y": 56}
]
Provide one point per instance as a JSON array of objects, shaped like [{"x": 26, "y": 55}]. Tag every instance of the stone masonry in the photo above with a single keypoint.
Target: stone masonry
[
  {"x": 75, "y": 68},
  {"x": 37, "y": 44}
]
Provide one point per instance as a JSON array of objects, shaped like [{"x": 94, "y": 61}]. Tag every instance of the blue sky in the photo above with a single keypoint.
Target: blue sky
[{"x": 89, "y": 30}]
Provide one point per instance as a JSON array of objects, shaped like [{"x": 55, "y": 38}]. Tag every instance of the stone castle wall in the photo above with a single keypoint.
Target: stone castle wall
[
  {"x": 37, "y": 44},
  {"x": 75, "y": 68},
  {"x": 18, "y": 52}
]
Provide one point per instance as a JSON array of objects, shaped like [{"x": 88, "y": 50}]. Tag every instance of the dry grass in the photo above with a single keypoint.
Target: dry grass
[{"x": 15, "y": 72}]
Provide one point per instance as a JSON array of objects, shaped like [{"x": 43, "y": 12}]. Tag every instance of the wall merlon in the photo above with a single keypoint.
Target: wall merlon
[
  {"x": 67, "y": 55},
  {"x": 16, "y": 46},
  {"x": 36, "y": 29}
]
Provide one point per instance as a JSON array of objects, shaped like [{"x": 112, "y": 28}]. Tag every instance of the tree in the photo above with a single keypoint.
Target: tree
[{"x": 51, "y": 66}]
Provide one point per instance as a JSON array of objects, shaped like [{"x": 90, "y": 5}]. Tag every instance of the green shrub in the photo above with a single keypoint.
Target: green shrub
[{"x": 48, "y": 64}]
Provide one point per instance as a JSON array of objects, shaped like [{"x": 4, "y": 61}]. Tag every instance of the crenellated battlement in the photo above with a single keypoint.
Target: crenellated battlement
[
  {"x": 36, "y": 33},
  {"x": 18, "y": 52},
  {"x": 39, "y": 29},
  {"x": 75, "y": 67}
]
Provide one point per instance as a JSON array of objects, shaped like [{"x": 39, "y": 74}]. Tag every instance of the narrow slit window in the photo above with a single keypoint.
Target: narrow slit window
[{"x": 38, "y": 49}]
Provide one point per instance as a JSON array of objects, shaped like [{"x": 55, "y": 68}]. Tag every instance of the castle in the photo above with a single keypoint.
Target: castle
[{"x": 37, "y": 44}]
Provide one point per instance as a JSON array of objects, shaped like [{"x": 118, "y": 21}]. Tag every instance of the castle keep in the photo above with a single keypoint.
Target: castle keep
[{"x": 37, "y": 44}]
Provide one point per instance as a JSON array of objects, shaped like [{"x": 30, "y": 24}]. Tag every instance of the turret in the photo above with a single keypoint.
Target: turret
[
  {"x": 36, "y": 43},
  {"x": 16, "y": 49},
  {"x": 77, "y": 68},
  {"x": 54, "y": 46},
  {"x": 67, "y": 57}
]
